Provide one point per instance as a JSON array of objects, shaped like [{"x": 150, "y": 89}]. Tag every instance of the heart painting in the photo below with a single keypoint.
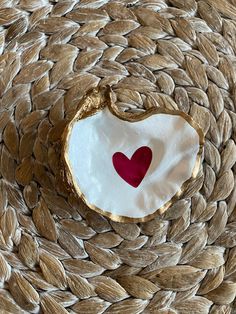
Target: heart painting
[
  {"x": 133, "y": 170},
  {"x": 129, "y": 166}
]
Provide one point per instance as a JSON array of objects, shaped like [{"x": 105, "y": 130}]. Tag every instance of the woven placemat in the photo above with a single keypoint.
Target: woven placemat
[{"x": 56, "y": 255}]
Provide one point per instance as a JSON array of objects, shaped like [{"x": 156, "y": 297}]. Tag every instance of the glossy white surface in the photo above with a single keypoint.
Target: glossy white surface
[{"x": 93, "y": 141}]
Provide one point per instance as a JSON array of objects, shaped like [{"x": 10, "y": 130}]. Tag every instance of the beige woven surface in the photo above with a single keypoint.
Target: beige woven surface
[{"x": 57, "y": 256}]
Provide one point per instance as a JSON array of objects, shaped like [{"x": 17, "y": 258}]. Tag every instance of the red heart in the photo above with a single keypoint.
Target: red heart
[{"x": 133, "y": 170}]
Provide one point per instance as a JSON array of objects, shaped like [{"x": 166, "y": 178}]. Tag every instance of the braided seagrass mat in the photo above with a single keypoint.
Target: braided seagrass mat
[{"x": 56, "y": 255}]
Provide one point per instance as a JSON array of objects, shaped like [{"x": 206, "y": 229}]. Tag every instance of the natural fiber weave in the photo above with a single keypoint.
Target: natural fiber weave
[{"x": 56, "y": 255}]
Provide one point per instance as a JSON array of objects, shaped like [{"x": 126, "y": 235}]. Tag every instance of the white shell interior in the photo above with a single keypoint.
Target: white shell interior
[{"x": 94, "y": 140}]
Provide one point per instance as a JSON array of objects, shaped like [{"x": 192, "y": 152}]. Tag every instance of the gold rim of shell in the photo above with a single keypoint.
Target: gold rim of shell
[{"x": 95, "y": 101}]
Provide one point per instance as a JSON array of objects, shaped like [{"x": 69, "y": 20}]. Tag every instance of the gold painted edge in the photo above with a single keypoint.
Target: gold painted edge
[{"x": 130, "y": 117}]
